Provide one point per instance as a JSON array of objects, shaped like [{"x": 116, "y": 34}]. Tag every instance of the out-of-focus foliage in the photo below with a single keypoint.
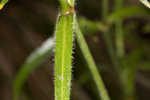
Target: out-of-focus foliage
[
  {"x": 33, "y": 61},
  {"x": 2, "y": 3}
]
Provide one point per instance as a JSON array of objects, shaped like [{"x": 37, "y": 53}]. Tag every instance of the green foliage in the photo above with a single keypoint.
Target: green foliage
[
  {"x": 65, "y": 27},
  {"x": 32, "y": 63},
  {"x": 127, "y": 12},
  {"x": 2, "y": 3}
]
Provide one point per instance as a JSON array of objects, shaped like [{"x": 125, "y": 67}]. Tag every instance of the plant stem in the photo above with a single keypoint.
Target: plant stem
[
  {"x": 110, "y": 49},
  {"x": 107, "y": 36},
  {"x": 119, "y": 39},
  {"x": 127, "y": 74},
  {"x": 91, "y": 64},
  {"x": 104, "y": 9},
  {"x": 119, "y": 31},
  {"x": 63, "y": 55}
]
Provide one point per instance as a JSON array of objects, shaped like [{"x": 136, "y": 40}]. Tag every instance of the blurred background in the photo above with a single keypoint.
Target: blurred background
[{"x": 26, "y": 24}]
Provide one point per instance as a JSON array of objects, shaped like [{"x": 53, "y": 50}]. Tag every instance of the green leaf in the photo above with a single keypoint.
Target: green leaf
[
  {"x": 2, "y": 3},
  {"x": 127, "y": 12},
  {"x": 32, "y": 62}
]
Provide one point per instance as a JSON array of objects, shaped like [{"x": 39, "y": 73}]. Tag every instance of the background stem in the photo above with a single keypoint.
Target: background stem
[{"x": 91, "y": 64}]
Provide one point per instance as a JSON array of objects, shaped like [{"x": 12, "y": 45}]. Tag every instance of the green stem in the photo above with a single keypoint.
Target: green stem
[
  {"x": 104, "y": 9},
  {"x": 65, "y": 5},
  {"x": 119, "y": 39},
  {"x": 111, "y": 51},
  {"x": 91, "y": 64},
  {"x": 127, "y": 74},
  {"x": 63, "y": 55},
  {"x": 119, "y": 31},
  {"x": 107, "y": 36}
]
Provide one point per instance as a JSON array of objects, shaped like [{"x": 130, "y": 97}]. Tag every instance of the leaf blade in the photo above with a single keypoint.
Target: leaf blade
[{"x": 32, "y": 62}]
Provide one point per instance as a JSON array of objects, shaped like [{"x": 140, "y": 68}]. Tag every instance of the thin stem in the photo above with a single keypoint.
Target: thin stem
[
  {"x": 111, "y": 51},
  {"x": 127, "y": 74},
  {"x": 107, "y": 36},
  {"x": 91, "y": 64},
  {"x": 119, "y": 31},
  {"x": 119, "y": 39},
  {"x": 104, "y": 9}
]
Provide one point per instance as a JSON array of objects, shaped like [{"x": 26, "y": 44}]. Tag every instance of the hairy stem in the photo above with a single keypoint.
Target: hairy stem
[{"x": 63, "y": 55}]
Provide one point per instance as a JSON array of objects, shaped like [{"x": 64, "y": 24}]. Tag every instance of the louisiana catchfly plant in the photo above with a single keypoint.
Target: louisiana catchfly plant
[
  {"x": 66, "y": 31},
  {"x": 126, "y": 50}
]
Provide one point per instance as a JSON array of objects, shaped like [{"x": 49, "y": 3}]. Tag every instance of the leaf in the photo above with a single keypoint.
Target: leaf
[
  {"x": 2, "y": 3},
  {"x": 32, "y": 63},
  {"x": 91, "y": 26},
  {"x": 127, "y": 12}
]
